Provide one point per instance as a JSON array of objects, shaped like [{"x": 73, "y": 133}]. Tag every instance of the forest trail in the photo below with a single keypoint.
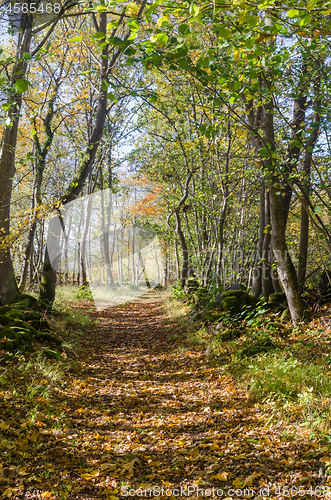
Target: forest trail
[{"x": 145, "y": 411}]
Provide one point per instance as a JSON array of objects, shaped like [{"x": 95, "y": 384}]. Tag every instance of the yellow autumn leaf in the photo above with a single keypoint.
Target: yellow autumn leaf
[
  {"x": 32, "y": 436},
  {"x": 223, "y": 476},
  {"x": 4, "y": 426},
  {"x": 90, "y": 475},
  {"x": 47, "y": 494},
  {"x": 9, "y": 492},
  {"x": 238, "y": 457},
  {"x": 23, "y": 444},
  {"x": 214, "y": 447},
  {"x": 110, "y": 467},
  {"x": 195, "y": 452},
  {"x": 112, "y": 497},
  {"x": 249, "y": 480},
  {"x": 237, "y": 483}
]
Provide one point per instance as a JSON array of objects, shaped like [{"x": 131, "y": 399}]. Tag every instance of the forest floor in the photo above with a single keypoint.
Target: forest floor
[{"x": 143, "y": 408}]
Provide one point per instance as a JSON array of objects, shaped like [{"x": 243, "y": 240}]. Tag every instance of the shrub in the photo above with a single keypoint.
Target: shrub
[{"x": 84, "y": 293}]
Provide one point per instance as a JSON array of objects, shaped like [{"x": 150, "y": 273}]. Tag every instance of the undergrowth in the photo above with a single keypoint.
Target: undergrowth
[
  {"x": 292, "y": 380},
  {"x": 30, "y": 384}
]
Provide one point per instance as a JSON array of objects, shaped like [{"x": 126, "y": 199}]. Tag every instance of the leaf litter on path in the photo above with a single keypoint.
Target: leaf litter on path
[{"x": 144, "y": 412}]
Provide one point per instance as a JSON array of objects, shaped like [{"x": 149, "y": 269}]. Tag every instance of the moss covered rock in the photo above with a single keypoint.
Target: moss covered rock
[
  {"x": 211, "y": 316},
  {"x": 32, "y": 316},
  {"x": 15, "y": 313},
  {"x": 219, "y": 297},
  {"x": 252, "y": 301},
  {"x": 19, "y": 322},
  {"x": 5, "y": 320},
  {"x": 5, "y": 309},
  {"x": 23, "y": 305},
  {"x": 236, "y": 286},
  {"x": 8, "y": 346},
  {"x": 26, "y": 296},
  {"x": 201, "y": 297},
  {"x": 191, "y": 285},
  {"x": 40, "y": 324},
  {"x": 277, "y": 298},
  {"x": 230, "y": 304},
  {"x": 235, "y": 293},
  {"x": 25, "y": 336},
  {"x": 47, "y": 337},
  {"x": 33, "y": 331},
  {"x": 11, "y": 335}
]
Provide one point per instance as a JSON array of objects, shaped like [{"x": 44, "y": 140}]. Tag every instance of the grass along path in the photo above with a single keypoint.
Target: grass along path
[{"x": 142, "y": 411}]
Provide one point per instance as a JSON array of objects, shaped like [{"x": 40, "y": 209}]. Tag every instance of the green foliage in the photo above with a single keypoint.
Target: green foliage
[
  {"x": 282, "y": 377},
  {"x": 256, "y": 316},
  {"x": 177, "y": 292},
  {"x": 84, "y": 293}
]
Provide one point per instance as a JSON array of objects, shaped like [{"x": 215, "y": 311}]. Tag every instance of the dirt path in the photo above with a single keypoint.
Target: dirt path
[{"x": 143, "y": 411}]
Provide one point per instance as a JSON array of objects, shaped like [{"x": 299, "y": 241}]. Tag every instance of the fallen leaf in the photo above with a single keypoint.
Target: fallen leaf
[
  {"x": 249, "y": 480},
  {"x": 110, "y": 467},
  {"x": 223, "y": 476},
  {"x": 195, "y": 452},
  {"x": 90, "y": 475},
  {"x": 238, "y": 483},
  {"x": 9, "y": 492}
]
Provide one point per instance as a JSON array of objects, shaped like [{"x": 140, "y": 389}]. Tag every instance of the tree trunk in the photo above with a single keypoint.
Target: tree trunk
[
  {"x": 266, "y": 264},
  {"x": 87, "y": 217},
  {"x": 177, "y": 260},
  {"x": 257, "y": 273},
  {"x": 297, "y": 128},
  {"x": 223, "y": 209},
  {"x": 285, "y": 267},
  {"x": 8, "y": 286},
  {"x": 183, "y": 244},
  {"x": 304, "y": 229}
]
